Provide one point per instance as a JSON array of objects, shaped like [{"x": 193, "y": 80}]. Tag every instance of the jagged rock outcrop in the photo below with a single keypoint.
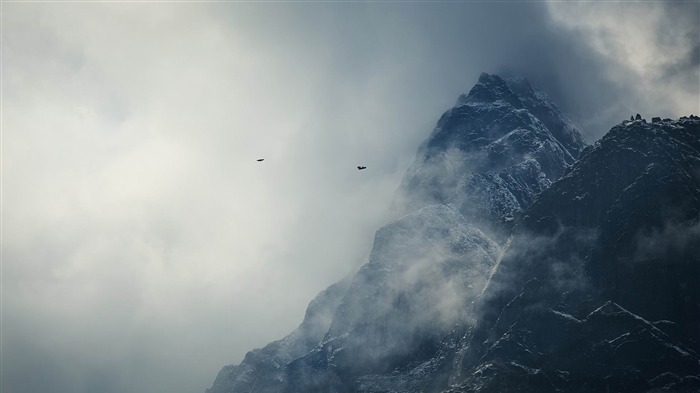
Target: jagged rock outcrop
[{"x": 490, "y": 155}]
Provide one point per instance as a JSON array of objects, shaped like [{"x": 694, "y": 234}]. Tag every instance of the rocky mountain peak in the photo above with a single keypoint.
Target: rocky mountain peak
[
  {"x": 491, "y": 88},
  {"x": 490, "y": 155}
]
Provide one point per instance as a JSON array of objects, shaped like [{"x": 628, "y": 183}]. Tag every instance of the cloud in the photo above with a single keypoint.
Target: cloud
[
  {"x": 143, "y": 246},
  {"x": 670, "y": 240},
  {"x": 650, "y": 50}
]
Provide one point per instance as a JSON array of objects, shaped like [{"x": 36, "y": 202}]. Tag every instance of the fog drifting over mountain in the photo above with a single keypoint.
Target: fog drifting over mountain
[{"x": 143, "y": 247}]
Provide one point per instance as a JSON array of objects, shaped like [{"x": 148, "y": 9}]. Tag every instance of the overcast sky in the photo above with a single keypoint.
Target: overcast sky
[{"x": 143, "y": 247}]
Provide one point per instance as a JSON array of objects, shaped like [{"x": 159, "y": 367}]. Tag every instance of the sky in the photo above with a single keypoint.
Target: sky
[{"x": 144, "y": 247}]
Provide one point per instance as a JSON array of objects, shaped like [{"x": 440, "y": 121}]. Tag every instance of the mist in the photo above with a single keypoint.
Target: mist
[{"x": 144, "y": 247}]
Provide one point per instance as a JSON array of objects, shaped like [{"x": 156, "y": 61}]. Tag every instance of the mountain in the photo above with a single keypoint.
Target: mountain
[{"x": 526, "y": 261}]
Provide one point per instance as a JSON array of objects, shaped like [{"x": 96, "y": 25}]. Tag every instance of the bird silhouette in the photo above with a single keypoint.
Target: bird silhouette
[
  {"x": 260, "y": 159},
  {"x": 361, "y": 167}
]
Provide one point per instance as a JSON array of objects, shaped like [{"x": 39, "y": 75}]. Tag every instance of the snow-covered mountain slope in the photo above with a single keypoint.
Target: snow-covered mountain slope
[
  {"x": 490, "y": 155},
  {"x": 598, "y": 290}
]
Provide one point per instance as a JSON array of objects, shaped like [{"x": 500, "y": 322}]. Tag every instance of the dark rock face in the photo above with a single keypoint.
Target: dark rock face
[
  {"x": 526, "y": 262},
  {"x": 611, "y": 349},
  {"x": 598, "y": 288}
]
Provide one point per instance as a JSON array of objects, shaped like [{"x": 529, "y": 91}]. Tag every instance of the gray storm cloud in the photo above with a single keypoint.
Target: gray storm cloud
[
  {"x": 651, "y": 51},
  {"x": 143, "y": 247}
]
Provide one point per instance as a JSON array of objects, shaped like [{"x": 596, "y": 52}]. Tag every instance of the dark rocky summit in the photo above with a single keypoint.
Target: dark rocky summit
[
  {"x": 526, "y": 262},
  {"x": 493, "y": 153}
]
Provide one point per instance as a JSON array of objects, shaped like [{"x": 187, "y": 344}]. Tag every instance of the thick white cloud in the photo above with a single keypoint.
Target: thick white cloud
[{"x": 143, "y": 245}]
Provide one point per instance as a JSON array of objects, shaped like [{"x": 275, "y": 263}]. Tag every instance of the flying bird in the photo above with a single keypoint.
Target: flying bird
[
  {"x": 260, "y": 159},
  {"x": 361, "y": 167}
]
